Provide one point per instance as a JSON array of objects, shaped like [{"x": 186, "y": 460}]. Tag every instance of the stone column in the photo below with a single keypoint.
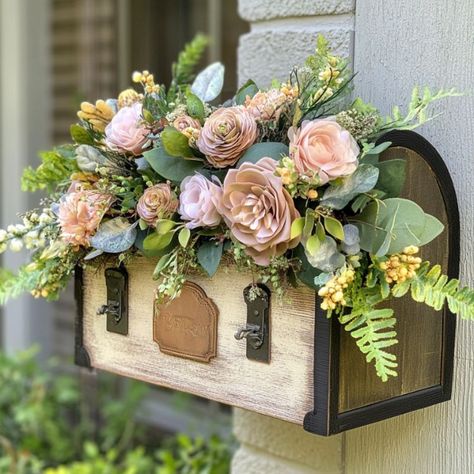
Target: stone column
[{"x": 282, "y": 34}]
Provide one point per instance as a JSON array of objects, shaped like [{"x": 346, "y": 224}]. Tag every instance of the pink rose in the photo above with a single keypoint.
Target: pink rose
[
  {"x": 323, "y": 147},
  {"x": 199, "y": 201},
  {"x": 80, "y": 214},
  {"x": 157, "y": 202},
  {"x": 258, "y": 210},
  {"x": 126, "y": 132},
  {"x": 226, "y": 134}
]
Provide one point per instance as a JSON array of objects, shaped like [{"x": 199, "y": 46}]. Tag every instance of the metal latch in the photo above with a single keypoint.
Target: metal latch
[
  {"x": 257, "y": 329},
  {"x": 116, "y": 308}
]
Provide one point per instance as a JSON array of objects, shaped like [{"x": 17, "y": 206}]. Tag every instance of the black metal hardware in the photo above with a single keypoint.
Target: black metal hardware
[
  {"x": 116, "y": 308},
  {"x": 257, "y": 329}
]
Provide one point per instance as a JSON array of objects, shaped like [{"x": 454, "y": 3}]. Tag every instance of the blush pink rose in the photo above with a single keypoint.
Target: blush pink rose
[
  {"x": 258, "y": 210},
  {"x": 157, "y": 202},
  {"x": 199, "y": 201},
  {"x": 183, "y": 122},
  {"x": 80, "y": 214},
  {"x": 324, "y": 148},
  {"x": 126, "y": 132}
]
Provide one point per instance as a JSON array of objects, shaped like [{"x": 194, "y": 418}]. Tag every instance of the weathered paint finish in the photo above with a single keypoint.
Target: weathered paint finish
[{"x": 230, "y": 377}]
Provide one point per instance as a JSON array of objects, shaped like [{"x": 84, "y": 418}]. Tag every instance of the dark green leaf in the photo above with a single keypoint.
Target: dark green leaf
[
  {"x": 307, "y": 272},
  {"x": 273, "y": 150},
  {"x": 209, "y": 255},
  {"x": 194, "y": 106},
  {"x": 170, "y": 167}
]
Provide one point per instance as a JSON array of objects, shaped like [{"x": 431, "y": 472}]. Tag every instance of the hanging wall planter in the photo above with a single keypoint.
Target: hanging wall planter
[
  {"x": 306, "y": 369},
  {"x": 281, "y": 253}
]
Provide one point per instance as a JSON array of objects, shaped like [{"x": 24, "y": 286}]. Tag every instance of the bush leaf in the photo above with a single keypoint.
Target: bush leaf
[
  {"x": 334, "y": 227},
  {"x": 273, "y": 150},
  {"x": 175, "y": 143}
]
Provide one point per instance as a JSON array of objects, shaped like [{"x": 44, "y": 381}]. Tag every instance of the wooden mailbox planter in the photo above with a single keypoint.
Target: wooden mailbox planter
[{"x": 316, "y": 375}]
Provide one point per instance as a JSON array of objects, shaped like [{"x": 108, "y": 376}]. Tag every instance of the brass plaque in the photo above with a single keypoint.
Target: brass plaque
[{"x": 187, "y": 326}]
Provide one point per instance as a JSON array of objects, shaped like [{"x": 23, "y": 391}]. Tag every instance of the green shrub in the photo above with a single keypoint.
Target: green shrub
[{"x": 47, "y": 426}]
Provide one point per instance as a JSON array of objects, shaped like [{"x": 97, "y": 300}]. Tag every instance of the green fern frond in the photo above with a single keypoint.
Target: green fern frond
[
  {"x": 188, "y": 59},
  {"x": 372, "y": 332},
  {"x": 431, "y": 287}
]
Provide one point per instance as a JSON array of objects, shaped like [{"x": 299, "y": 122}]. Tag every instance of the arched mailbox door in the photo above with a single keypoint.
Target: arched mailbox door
[
  {"x": 347, "y": 393},
  {"x": 297, "y": 365}
]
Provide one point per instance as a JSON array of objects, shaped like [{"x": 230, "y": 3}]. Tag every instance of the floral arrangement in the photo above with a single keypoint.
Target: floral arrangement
[{"x": 283, "y": 182}]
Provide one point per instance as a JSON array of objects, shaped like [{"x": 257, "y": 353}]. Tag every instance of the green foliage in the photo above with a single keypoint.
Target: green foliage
[
  {"x": 175, "y": 143},
  {"x": 44, "y": 418},
  {"x": 361, "y": 181},
  {"x": 54, "y": 171},
  {"x": 372, "y": 330},
  {"x": 183, "y": 69},
  {"x": 431, "y": 287},
  {"x": 81, "y": 135},
  {"x": 392, "y": 175},
  {"x": 257, "y": 151},
  {"x": 209, "y": 255},
  {"x": 194, "y": 106},
  {"x": 386, "y": 227},
  {"x": 417, "y": 110},
  {"x": 170, "y": 167},
  {"x": 249, "y": 89}
]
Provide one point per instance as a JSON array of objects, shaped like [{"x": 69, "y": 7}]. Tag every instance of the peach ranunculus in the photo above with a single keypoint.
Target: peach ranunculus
[
  {"x": 258, "y": 210},
  {"x": 226, "y": 134},
  {"x": 126, "y": 132},
  {"x": 324, "y": 148},
  {"x": 80, "y": 214},
  {"x": 266, "y": 105},
  {"x": 157, "y": 202}
]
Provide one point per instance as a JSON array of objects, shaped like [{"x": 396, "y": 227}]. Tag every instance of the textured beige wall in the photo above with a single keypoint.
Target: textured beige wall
[{"x": 398, "y": 43}]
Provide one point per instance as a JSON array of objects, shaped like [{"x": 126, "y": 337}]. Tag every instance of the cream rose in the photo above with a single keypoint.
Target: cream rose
[{"x": 323, "y": 147}]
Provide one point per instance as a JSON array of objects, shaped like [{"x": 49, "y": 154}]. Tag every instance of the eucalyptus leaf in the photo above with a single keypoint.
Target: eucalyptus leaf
[
  {"x": 170, "y": 167},
  {"x": 392, "y": 175},
  {"x": 361, "y": 181},
  {"x": 257, "y": 151},
  {"x": 327, "y": 258},
  {"x": 249, "y": 89},
  {"x": 307, "y": 273},
  {"x": 209, "y": 82},
  {"x": 175, "y": 143},
  {"x": 313, "y": 244},
  {"x": 209, "y": 255},
  {"x": 322, "y": 279},
  {"x": 404, "y": 221},
  {"x": 115, "y": 235},
  {"x": 376, "y": 150}
]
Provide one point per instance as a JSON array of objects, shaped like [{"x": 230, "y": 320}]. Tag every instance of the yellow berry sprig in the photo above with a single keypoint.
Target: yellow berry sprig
[
  {"x": 333, "y": 291},
  {"x": 402, "y": 266},
  {"x": 98, "y": 115},
  {"x": 147, "y": 80}
]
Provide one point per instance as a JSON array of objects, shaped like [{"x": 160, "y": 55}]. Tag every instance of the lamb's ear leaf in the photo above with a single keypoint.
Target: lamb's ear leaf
[{"x": 209, "y": 82}]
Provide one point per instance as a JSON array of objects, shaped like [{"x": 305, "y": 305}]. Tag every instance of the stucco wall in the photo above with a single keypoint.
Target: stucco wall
[{"x": 398, "y": 43}]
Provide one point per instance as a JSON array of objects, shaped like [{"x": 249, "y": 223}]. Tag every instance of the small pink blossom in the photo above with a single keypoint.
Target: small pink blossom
[
  {"x": 199, "y": 201},
  {"x": 324, "y": 148},
  {"x": 126, "y": 131},
  {"x": 183, "y": 122},
  {"x": 80, "y": 214},
  {"x": 266, "y": 105}
]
